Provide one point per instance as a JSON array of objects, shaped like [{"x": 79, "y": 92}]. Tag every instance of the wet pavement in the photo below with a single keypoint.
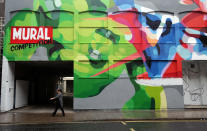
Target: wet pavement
[
  {"x": 42, "y": 114},
  {"x": 111, "y": 126}
]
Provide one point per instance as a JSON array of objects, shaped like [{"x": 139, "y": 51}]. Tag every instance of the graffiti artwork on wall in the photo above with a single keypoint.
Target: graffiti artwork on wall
[
  {"x": 194, "y": 82},
  {"x": 113, "y": 42}
]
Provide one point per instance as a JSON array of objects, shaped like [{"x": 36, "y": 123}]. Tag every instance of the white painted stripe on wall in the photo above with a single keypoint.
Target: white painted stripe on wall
[{"x": 160, "y": 81}]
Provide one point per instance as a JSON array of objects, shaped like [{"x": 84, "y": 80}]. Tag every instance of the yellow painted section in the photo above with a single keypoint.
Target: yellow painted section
[{"x": 163, "y": 101}]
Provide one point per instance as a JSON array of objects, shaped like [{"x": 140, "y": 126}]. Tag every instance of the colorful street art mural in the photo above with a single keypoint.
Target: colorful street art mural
[{"x": 127, "y": 53}]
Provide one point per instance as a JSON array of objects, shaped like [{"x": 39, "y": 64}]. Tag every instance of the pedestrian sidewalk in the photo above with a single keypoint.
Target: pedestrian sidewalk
[{"x": 33, "y": 114}]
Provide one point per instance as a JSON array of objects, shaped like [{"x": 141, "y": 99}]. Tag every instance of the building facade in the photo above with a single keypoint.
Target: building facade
[
  {"x": 1, "y": 36},
  {"x": 126, "y": 54}
]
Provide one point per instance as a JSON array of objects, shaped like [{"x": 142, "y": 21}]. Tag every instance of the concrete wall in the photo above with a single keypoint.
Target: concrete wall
[
  {"x": 203, "y": 82},
  {"x": 2, "y": 9},
  {"x": 195, "y": 82},
  {"x": 7, "y": 87},
  {"x": 21, "y": 93},
  {"x": 2, "y": 12}
]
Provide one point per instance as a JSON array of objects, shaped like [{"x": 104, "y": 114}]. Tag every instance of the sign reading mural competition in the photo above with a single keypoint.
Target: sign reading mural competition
[{"x": 25, "y": 36}]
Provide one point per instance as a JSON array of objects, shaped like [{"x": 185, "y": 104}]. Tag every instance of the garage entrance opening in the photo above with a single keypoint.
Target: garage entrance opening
[
  {"x": 36, "y": 83},
  {"x": 195, "y": 84}
]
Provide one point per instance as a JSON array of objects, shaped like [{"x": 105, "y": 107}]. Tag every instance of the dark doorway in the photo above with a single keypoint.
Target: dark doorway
[{"x": 42, "y": 79}]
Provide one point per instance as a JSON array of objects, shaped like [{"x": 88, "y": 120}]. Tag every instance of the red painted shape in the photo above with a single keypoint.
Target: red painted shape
[
  {"x": 189, "y": 2},
  {"x": 143, "y": 76},
  {"x": 196, "y": 20},
  {"x": 175, "y": 68},
  {"x": 171, "y": 70},
  {"x": 121, "y": 62},
  {"x": 201, "y": 4},
  {"x": 183, "y": 44},
  {"x": 130, "y": 19}
]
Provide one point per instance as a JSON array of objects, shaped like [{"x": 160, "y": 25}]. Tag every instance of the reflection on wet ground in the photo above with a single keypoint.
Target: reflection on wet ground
[{"x": 42, "y": 114}]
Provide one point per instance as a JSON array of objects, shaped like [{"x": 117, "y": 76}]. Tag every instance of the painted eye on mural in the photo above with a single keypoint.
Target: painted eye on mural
[
  {"x": 95, "y": 58},
  {"x": 152, "y": 21},
  {"x": 94, "y": 54},
  {"x": 108, "y": 34},
  {"x": 167, "y": 28}
]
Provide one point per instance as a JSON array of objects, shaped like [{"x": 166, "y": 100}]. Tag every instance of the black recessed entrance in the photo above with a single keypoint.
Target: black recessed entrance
[{"x": 36, "y": 82}]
